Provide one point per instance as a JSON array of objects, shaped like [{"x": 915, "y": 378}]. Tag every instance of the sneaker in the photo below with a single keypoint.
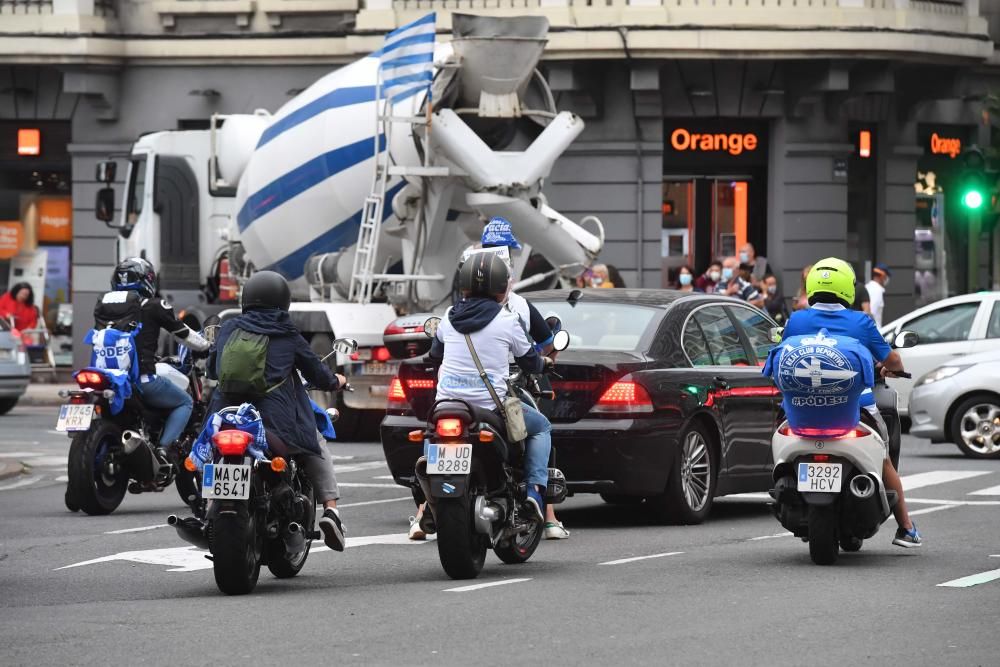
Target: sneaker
[
  {"x": 333, "y": 530},
  {"x": 536, "y": 503},
  {"x": 555, "y": 531},
  {"x": 416, "y": 532},
  {"x": 908, "y": 539}
]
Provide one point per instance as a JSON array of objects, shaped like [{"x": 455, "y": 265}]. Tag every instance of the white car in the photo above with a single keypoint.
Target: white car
[{"x": 948, "y": 329}]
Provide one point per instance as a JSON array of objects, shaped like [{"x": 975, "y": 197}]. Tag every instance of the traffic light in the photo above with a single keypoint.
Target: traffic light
[{"x": 974, "y": 190}]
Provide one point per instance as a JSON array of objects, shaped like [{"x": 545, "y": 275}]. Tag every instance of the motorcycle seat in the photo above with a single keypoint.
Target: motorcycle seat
[{"x": 467, "y": 412}]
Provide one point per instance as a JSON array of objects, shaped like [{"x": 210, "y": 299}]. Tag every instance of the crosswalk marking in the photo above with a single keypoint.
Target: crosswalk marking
[
  {"x": 920, "y": 480},
  {"x": 973, "y": 579},
  {"x": 990, "y": 491}
]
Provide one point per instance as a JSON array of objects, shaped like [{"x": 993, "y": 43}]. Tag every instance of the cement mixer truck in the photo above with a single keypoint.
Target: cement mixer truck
[{"x": 365, "y": 207}]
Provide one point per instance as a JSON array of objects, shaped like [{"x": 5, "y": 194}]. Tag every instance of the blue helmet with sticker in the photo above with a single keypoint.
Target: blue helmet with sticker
[{"x": 498, "y": 233}]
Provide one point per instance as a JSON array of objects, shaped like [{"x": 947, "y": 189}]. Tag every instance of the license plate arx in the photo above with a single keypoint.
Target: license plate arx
[
  {"x": 820, "y": 477},
  {"x": 75, "y": 417},
  {"x": 224, "y": 481},
  {"x": 451, "y": 459}
]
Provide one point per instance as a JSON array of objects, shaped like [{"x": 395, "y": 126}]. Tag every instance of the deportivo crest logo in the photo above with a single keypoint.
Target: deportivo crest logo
[{"x": 815, "y": 367}]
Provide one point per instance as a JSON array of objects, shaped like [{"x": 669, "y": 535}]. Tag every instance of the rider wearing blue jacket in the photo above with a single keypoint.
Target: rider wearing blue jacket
[{"x": 830, "y": 290}]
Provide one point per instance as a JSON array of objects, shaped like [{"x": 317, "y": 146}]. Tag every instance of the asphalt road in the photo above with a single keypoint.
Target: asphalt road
[{"x": 735, "y": 591}]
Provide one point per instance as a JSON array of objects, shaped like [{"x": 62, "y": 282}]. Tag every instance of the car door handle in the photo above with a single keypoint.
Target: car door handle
[{"x": 720, "y": 382}]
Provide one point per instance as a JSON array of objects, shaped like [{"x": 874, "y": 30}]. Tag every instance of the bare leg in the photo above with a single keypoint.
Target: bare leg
[
  {"x": 892, "y": 481},
  {"x": 329, "y": 504},
  {"x": 550, "y": 513}
]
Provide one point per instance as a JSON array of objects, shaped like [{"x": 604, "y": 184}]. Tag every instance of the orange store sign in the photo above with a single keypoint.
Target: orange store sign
[
  {"x": 55, "y": 220},
  {"x": 11, "y": 238},
  {"x": 949, "y": 146},
  {"x": 734, "y": 143}
]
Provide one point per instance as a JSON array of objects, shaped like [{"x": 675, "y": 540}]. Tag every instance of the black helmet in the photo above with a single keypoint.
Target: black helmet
[
  {"x": 266, "y": 289},
  {"x": 134, "y": 273},
  {"x": 484, "y": 274}
]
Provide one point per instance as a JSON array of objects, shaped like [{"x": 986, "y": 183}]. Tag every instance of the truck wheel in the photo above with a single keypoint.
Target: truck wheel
[
  {"x": 823, "y": 545},
  {"x": 236, "y": 552},
  {"x": 90, "y": 486},
  {"x": 461, "y": 549},
  {"x": 691, "y": 486}
]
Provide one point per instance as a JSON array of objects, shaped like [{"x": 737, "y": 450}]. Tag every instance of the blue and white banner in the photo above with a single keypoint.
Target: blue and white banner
[{"x": 407, "y": 59}]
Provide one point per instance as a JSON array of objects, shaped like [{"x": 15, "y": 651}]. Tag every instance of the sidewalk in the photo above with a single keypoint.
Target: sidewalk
[{"x": 44, "y": 394}]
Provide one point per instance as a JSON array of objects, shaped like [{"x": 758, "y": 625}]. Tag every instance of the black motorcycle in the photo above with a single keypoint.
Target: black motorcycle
[
  {"x": 114, "y": 453},
  {"x": 259, "y": 511},
  {"x": 472, "y": 479}
]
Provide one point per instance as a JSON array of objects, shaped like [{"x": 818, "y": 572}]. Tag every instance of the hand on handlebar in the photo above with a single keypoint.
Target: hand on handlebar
[{"x": 886, "y": 373}]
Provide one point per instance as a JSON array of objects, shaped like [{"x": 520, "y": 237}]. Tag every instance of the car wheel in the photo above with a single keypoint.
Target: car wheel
[
  {"x": 7, "y": 404},
  {"x": 975, "y": 426},
  {"x": 691, "y": 485}
]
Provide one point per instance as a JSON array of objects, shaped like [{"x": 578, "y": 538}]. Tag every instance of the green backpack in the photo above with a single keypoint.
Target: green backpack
[{"x": 241, "y": 368}]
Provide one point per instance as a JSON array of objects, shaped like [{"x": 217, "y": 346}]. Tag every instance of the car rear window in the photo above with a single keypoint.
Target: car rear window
[{"x": 601, "y": 326}]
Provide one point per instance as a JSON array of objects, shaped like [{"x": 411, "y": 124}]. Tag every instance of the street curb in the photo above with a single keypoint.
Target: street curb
[
  {"x": 10, "y": 469},
  {"x": 44, "y": 395}
]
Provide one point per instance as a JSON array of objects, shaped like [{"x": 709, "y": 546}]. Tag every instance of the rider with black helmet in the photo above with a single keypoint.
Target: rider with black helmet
[
  {"x": 496, "y": 334},
  {"x": 137, "y": 278},
  {"x": 284, "y": 406}
]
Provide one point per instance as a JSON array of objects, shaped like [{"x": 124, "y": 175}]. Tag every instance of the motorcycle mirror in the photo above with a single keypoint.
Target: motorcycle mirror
[
  {"x": 333, "y": 414},
  {"x": 431, "y": 326},
  {"x": 555, "y": 324},
  {"x": 906, "y": 339},
  {"x": 345, "y": 345},
  {"x": 210, "y": 332},
  {"x": 776, "y": 334},
  {"x": 560, "y": 341}
]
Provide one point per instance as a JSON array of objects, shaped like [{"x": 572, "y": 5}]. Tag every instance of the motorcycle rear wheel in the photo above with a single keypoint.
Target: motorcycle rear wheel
[
  {"x": 89, "y": 488},
  {"x": 823, "y": 543},
  {"x": 461, "y": 549},
  {"x": 520, "y": 548},
  {"x": 235, "y": 553}
]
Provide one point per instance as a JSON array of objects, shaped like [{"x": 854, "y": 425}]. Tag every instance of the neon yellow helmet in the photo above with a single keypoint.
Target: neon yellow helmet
[{"x": 831, "y": 276}]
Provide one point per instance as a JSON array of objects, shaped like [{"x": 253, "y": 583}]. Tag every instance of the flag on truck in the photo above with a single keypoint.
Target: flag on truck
[{"x": 406, "y": 61}]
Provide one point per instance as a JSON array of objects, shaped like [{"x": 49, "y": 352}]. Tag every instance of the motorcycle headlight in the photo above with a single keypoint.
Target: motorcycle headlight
[{"x": 940, "y": 374}]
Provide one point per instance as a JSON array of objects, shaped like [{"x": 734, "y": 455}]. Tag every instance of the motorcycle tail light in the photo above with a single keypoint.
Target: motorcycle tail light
[
  {"x": 821, "y": 458},
  {"x": 624, "y": 397},
  {"x": 449, "y": 428},
  {"x": 190, "y": 465},
  {"x": 232, "y": 442},
  {"x": 91, "y": 380},
  {"x": 824, "y": 433}
]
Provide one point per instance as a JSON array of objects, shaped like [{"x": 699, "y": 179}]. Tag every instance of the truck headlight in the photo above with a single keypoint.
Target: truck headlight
[{"x": 940, "y": 374}]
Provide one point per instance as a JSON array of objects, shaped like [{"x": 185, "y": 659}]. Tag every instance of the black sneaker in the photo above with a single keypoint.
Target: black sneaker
[
  {"x": 908, "y": 539},
  {"x": 333, "y": 530}
]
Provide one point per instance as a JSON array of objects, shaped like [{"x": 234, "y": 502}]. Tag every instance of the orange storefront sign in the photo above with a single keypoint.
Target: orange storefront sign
[
  {"x": 949, "y": 146},
  {"x": 11, "y": 238},
  {"x": 734, "y": 143},
  {"x": 55, "y": 220}
]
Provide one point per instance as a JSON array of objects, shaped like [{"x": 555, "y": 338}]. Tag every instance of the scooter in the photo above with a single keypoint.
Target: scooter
[{"x": 828, "y": 491}]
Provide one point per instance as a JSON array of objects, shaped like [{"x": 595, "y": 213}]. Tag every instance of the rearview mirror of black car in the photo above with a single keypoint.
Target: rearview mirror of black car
[
  {"x": 431, "y": 326},
  {"x": 906, "y": 339},
  {"x": 560, "y": 341}
]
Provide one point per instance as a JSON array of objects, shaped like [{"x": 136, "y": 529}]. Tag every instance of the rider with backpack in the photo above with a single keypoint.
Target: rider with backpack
[
  {"x": 127, "y": 324},
  {"x": 255, "y": 358}
]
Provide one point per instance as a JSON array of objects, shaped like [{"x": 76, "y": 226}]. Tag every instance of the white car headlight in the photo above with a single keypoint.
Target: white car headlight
[{"x": 940, "y": 374}]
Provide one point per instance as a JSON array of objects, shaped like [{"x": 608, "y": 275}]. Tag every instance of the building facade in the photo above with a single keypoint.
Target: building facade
[{"x": 809, "y": 129}]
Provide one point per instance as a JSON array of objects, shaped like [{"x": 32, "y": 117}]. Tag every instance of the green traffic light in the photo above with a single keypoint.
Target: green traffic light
[{"x": 972, "y": 199}]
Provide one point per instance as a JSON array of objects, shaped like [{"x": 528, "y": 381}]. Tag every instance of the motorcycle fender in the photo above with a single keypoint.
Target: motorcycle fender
[
  {"x": 218, "y": 507},
  {"x": 819, "y": 499},
  {"x": 449, "y": 486}
]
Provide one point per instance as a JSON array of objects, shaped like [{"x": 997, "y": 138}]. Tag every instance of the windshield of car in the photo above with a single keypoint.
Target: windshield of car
[{"x": 600, "y": 325}]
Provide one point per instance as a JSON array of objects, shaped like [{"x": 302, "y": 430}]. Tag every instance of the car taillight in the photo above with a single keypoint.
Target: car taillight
[
  {"x": 381, "y": 354},
  {"x": 449, "y": 428},
  {"x": 396, "y": 394},
  {"x": 232, "y": 442},
  {"x": 421, "y": 384},
  {"x": 624, "y": 397},
  {"x": 91, "y": 380}
]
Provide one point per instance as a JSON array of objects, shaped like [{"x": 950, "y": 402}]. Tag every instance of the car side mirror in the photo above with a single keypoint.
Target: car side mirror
[
  {"x": 105, "y": 171},
  {"x": 906, "y": 339},
  {"x": 104, "y": 206},
  {"x": 431, "y": 326},
  {"x": 560, "y": 341},
  {"x": 345, "y": 345},
  {"x": 776, "y": 334}
]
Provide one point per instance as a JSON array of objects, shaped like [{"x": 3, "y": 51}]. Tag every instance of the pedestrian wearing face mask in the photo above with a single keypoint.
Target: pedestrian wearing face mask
[
  {"x": 759, "y": 264},
  {"x": 685, "y": 279},
  {"x": 708, "y": 282},
  {"x": 741, "y": 286},
  {"x": 774, "y": 302},
  {"x": 876, "y": 291}
]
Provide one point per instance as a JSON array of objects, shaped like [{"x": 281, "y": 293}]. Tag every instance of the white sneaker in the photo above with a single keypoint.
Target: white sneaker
[
  {"x": 555, "y": 531},
  {"x": 416, "y": 532}
]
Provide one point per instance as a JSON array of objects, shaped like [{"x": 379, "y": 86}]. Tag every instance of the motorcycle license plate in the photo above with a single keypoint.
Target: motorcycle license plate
[
  {"x": 224, "y": 481},
  {"x": 448, "y": 459},
  {"x": 75, "y": 417},
  {"x": 820, "y": 477}
]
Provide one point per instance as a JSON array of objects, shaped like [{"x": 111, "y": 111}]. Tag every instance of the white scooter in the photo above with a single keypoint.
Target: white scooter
[{"x": 829, "y": 490}]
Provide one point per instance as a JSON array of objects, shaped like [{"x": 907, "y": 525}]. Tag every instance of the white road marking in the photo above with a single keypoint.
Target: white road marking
[
  {"x": 922, "y": 479},
  {"x": 489, "y": 584},
  {"x": 21, "y": 455},
  {"x": 769, "y": 537},
  {"x": 375, "y": 502},
  {"x": 622, "y": 561},
  {"x": 940, "y": 501},
  {"x": 936, "y": 508},
  {"x": 991, "y": 491},
  {"x": 383, "y": 477},
  {"x": 748, "y": 496},
  {"x": 140, "y": 529},
  {"x": 62, "y": 478},
  {"x": 368, "y": 485},
  {"x": 355, "y": 467},
  {"x": 47, "y": 461},
  {"x": 340, "y": 457},
  {"x": 973, "y": 579},
  {"x": 27, "y": 481}
]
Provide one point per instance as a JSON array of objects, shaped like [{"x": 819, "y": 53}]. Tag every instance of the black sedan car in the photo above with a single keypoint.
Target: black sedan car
[{"x": 659, "y": 397}]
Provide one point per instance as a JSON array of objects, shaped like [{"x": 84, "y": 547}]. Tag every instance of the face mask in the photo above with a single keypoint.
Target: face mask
[
  {"x": 727, "y": 273},
  {"x": 597, "y": 281},
  {"x": 685, "y": 279},
  {"x": 771, "y": 289},
  {"x": 744, "y": 257},
  {"x": 714, "y": 275},
  {"x": 886, "y": 282}
]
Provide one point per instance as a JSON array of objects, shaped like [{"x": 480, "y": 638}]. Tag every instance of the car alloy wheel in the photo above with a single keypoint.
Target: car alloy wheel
[
  {"x": 696, "y": 471},
  {"x": 979, "y": 428}
]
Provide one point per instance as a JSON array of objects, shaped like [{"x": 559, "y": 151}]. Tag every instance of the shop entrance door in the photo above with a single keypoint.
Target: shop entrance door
[{"x": 705, "y": 218}]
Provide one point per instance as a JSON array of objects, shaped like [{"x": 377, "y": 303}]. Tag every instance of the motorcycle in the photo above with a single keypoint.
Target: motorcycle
[
  {"x": 114, "y": 453},
  {"x": 259, "y": 510},
  {"x": 476, "y": 492},
  {"x": 828, "y": 491}
]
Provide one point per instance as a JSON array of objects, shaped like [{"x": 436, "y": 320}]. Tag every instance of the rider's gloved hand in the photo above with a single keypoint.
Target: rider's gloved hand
[{"x": 549, "y": 363}]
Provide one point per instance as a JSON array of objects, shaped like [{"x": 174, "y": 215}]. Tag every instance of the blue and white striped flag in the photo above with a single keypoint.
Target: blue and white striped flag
[{"x": 407, "y": 59}]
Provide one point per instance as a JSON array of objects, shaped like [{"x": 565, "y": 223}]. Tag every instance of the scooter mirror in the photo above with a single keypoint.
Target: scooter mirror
[
  {"x": 333, "y": 414},
  {"x": 555, "y": 324},
  {"x": 906, "y": 339},
  {"x": 210, "y": 332},
  {"x": 560, "y": 341},
  {"x": 345, "y": 345},
  {"x": 776, "y": 334},
  {"x": 431, "y": 326}
]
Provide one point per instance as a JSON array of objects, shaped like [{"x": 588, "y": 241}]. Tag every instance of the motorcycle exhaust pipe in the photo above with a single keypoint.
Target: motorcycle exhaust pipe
[
  {"x": 190, "y": 530},
  {"x": 295, "y": 538},
  {"x": 485, "y": 515},
  {"x": 132, "y": 440},
  {"x": 862, "y": 487},
  {"x": 420, "y": 471}
]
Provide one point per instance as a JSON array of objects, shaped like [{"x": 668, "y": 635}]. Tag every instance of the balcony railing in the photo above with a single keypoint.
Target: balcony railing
[
  {"x": 102, "y": 8},
  {"x": 22, "y": 7}
]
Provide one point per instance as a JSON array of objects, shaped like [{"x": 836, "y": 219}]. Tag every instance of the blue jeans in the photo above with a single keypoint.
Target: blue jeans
[
  {"x": 163, "y": 394},
  {"x": 537, "y": 447}
]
